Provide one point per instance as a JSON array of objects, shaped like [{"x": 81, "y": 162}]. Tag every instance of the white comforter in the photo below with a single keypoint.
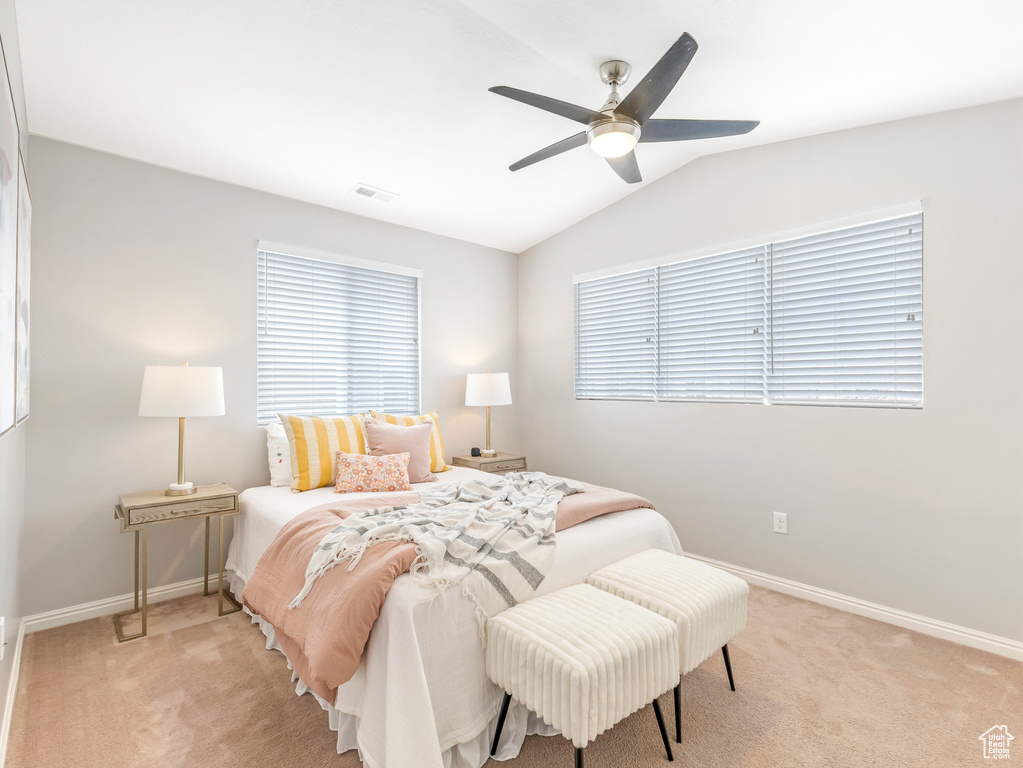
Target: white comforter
[{"x": 420, "y": 696}]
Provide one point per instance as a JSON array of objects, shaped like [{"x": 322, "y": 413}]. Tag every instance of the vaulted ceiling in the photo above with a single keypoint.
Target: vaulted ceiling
[{"x": 307, "y": 98}]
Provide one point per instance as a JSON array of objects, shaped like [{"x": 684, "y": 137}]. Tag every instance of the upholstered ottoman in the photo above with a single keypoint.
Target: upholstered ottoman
[
  {"x": 582, "y": 660},
  {"x": 707, "y": 604}
]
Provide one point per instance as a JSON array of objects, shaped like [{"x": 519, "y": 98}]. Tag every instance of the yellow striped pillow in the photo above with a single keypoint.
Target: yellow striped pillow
[
  {"x": 436, "y": 442},
  {"x": 314, "y": 443}
]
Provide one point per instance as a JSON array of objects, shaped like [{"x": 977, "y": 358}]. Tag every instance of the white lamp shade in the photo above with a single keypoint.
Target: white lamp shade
[
  {"x": 487, "y": 389},
  {"x": 182, "y": 390}
]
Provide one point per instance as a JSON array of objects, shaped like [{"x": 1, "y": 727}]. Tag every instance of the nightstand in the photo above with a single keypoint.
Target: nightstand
[
  {"x": 137, "y": 511},
  {"x": 497, "y": 465}
]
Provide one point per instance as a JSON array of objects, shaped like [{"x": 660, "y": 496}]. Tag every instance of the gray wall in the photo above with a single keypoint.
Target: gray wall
[
  {"x": 138, "y": 265},
  {"x": 917, "y": 510},
  {"x": 12, "y": 444}
]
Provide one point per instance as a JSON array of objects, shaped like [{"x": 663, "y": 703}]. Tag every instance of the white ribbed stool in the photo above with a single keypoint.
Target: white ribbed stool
[
  {"x": 582, "y": 660},
  {"x": 707, "y": 604}
]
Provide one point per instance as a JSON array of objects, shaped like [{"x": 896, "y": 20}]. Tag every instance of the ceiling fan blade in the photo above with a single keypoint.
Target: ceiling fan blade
[
  {"x": 653, "y": 89},
  {"x": 554, "y": 149},
  {"x": 563, "y": 108},
  {"x": 682, "y": 130},
  {"x": 626, "y": 167}
]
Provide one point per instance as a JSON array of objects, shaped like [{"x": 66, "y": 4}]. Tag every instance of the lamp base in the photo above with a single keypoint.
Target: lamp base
[
  {"x": 486, "y": 452},
  {"x": 180, "y": 489}
]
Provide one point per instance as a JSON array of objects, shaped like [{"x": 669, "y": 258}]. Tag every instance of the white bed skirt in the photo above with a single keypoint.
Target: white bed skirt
[{"x": 471, "y": 754}]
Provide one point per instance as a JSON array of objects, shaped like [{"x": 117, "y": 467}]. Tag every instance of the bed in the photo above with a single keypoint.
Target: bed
[{"x": 420, "y": 696}]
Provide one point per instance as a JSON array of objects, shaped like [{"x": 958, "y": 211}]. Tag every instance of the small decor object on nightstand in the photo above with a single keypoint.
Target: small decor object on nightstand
[
  {"x": 488, "y": 389},
  {"x": 181, "y": 391},
  {"x": 496, "y": 465}
]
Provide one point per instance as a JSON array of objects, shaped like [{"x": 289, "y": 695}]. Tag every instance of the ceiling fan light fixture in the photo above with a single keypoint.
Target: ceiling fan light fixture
[
  {"x": 613, "y": 130},
  {"x": 613, "y": 138}
]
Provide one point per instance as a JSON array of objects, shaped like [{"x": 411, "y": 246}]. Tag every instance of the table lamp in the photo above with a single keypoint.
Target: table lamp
[
  {"x": 487, "y": 389},
  {"x": 181, "y": 391}
]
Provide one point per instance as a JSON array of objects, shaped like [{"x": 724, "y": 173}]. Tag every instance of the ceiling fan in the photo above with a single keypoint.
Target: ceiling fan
[{"x": 614, "y": 130}]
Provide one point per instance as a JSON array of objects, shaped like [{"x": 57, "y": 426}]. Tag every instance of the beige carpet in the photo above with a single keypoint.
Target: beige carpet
[{"x": 816, "y": 687}]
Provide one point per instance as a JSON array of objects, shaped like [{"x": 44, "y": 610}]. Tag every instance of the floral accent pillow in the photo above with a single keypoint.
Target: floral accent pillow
[{"x": 358, "y": 473}]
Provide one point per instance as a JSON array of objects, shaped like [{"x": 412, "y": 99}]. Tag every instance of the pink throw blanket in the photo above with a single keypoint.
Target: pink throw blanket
[{"x": 324, "y": 638}]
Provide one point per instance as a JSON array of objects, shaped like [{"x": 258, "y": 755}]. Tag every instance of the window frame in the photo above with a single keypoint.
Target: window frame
[
  {"x": 314, "y": 255},
  {"x": 770, "y": 394}
]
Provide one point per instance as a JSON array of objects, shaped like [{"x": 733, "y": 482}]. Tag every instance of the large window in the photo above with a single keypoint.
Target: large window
[
  {"x": 334, "y": 338},
  {"x": 832, "y": 318}
]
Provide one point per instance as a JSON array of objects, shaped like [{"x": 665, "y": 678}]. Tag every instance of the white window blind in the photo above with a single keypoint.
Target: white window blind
[
  {"x": 616, "y": 337},
  {"x": 712, "y": 327},
  {"x": 831, "y": 318},
  {"x": 334, "y": 338},
  {"x": 848, "y": 315}
]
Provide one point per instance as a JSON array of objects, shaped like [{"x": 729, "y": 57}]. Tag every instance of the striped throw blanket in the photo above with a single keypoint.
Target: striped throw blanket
[{"x": 495, "y": 538}]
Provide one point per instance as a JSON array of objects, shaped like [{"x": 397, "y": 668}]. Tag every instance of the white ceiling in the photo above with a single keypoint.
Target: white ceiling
[{"x": 306, "y": 98}]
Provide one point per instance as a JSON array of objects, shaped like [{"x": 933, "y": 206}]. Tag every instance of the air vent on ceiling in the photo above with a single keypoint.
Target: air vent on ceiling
[{"x": 373, "y": 193}]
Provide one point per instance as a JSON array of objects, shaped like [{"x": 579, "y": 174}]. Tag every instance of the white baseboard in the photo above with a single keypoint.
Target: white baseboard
[
  {"x": 107, "y": 606},
  {"x": 1002, "y": 646},
  {"x": 12, "y": 687}
]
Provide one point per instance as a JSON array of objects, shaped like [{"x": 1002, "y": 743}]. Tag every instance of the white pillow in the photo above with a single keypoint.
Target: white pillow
[{"x": 278, "y": 454}]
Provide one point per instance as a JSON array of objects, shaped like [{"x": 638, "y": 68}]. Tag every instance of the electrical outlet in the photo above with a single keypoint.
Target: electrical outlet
[{"x": 781, "y": 522}]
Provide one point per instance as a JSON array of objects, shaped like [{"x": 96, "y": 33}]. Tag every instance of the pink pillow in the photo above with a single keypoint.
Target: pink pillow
[
  {"x": 383, "y": 439},
  {"x": 357, "y": 473}
]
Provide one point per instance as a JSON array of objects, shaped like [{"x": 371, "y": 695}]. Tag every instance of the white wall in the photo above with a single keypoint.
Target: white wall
[
  {"x": 12, "y": 513},
  {"x": 138, "y": 265},
  {"x": 917, "y": 510},
  {"x": 12, "y": 444}
]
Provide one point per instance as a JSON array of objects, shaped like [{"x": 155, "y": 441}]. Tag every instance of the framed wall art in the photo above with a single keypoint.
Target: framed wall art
[
  {"x": 23, "y": 292},
  {"x": 9, "y": 172}
]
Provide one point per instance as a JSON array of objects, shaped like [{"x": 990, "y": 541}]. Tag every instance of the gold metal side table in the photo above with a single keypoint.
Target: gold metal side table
[{"x": 137, "y": 511}]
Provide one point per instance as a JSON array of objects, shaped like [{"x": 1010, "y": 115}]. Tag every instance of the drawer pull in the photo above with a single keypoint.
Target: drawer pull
[{"x": 504, "y": 465}]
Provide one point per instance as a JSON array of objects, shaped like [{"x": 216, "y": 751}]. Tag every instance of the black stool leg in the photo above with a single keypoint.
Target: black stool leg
[
  {"x": 578, "y": 758},
  {"x": 728, "y": 665},
  {"x": 664, "y": 731},
  {"x": 500, "y": 723},
  {"x": 678, "y": 712}
]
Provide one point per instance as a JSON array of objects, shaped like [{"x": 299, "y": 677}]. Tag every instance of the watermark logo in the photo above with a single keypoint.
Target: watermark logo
[{"x": 996, "y": 742}]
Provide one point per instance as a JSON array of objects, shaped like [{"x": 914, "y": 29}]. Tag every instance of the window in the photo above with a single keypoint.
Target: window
[
  {"x": 712, "y": 327},
  {"x": 832, "y": 318},
  {"x": 616, "y": 336},
  {"x": 334, "y": 338},
  {"x": 847, "y": 315}
]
